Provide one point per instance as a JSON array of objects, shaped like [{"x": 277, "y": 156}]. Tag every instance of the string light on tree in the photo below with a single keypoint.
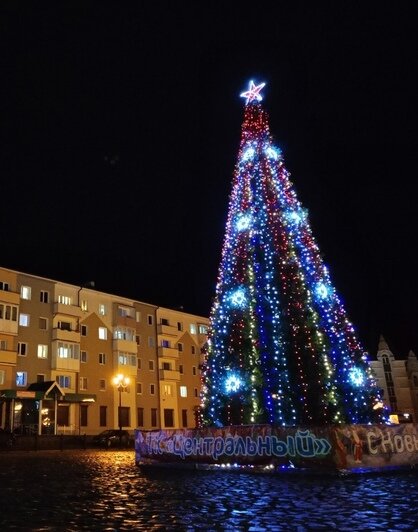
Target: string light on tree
[{"x": 276, "y": 317}]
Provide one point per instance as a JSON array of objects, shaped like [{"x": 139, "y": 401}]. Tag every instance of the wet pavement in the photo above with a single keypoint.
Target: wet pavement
[{"x": 104, "y": 490}]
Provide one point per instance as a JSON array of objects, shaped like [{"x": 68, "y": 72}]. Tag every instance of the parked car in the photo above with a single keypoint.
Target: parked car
[{"x": 113, "y": 438}]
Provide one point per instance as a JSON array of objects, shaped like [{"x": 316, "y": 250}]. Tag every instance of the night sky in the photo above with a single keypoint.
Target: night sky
[{"x": 120, "y": 125}]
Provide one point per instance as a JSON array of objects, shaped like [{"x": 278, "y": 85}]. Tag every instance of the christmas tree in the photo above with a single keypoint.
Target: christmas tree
[{"x": 281, "y": 349}]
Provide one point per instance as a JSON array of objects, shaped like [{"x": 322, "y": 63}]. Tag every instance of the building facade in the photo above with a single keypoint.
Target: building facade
[
  {"x": 399, "y": 381},
  {"x": 61, "y": 347}
]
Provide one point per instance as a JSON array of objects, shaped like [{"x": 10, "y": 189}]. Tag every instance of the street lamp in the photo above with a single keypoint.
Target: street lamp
[{"x": 121, "y": 382}]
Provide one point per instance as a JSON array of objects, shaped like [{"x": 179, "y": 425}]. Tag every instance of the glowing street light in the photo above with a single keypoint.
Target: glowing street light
[{"x": 121, "y": 382}]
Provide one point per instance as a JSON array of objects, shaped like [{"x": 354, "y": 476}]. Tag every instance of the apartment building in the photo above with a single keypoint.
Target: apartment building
[
  {"x": 61, "y": 347},
  {"x": 399, "y": 381}
]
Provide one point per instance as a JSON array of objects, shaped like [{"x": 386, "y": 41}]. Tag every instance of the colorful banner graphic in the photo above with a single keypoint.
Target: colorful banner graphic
[{"x": 341, "y": 447}]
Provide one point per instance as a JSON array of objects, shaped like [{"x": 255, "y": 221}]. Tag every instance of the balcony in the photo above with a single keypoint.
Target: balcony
[
  {"x": 168, "y": 330},
  {"x": 168, "y": 352},
  {"x": 8, "y": 357},
  {"x": 9, "y": 297},
  {"x": 125, "y": 321},
  {"x": 66, "y": 364},
  {"x": 68, "y": 310},
  {"x": 126, "y": 369},
  {"x": 126, "y": 346},
  {"x": 169, "y": 375},
  {"x": 8, "y": 326},
  {"x": 65, "y": 335}
]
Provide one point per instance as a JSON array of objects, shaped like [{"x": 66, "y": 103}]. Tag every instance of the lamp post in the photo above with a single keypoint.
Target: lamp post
[{"x": 121, "y": 382}]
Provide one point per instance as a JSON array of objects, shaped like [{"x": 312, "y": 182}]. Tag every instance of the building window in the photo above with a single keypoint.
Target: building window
[
  {"x": 84, "y": 305},
  {"x": 193, "y": 350},
  {"x": 102, "y": 385},
  {"x": 22, "y": 348},
  {"x": 152, "y": 389},
  {"x": 151, "y": 341},
  {"x": 150, "y": 319},
  {"x": 139, "y": 363},
  {"x": 153, "y": 417},
  {"x": 103, "y": 416},
  {"x": 125, "y": 359},
  {"x": 168, "y": 417},
  {"x": 126, "y": 312},
  {"x": 66, "y": 350},
  {"x": 25, "y": 292},
  {"x": 83, "y": 383},
  {"x": 102, "y": 358},
  {"x": 192, "y": 328},
  {"x": 166, "y": 366},
  {"x": 40, "y": 377},
  {"x": 64, "y": 381},
  {"x": 64, "y": 325},
  {"x": 102, "y": 310},
  {"x": 139, "y": 388},
  {"x": 415, "y": 380},
  {"x": 44, "y": 296},
  {"x": 180, "y": 347},
  {"x": 140, "y": 417},
  {"x": 184, "y": 418},
  {"x": 64, "y": 300},
  {"x": 102, "y": 333},
  {"x": 42, "y": 351},
  {"x": 194, "y": 370},
  {"x": 167, "y": 389},
  {"x": 43, "y": 323},
  {"x": 2, "y": 376},
  {"x": 203, "y": 329},
  {"x": 196, "y": 392},
  {"x": 137, "y": 316},
  {"x": 164, "y": 321},
  {"x": 165, "y": 343},
  {"x": 8, "y": 312},
  {"x": 181, "y": 369},
  {"x": 4, "y": 286},
  {"x": 183, "y": 391},
  {"x": 179, "y": 326},
  {"x": 124, "y": 333},
  {"x": 21, "y": 378},
  {"x": 83, "y": 330},
  {"x": 24, "y": 320},
  {"x": 137, "y": 339},
  {"x": 83, "y": 356},
  {"x": 3, "y": 345},
  {"x": 151, "y": 365},
  {"x": 83, "y": 415}
]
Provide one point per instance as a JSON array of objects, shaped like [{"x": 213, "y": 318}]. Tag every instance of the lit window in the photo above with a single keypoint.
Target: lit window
[
  {"x": 203, "y": 329},
  {"x": 102, "y": 333},
  {"x": 64, "y": 300},
  {"x": 25, "y": 292},
  {"x": 167, "y": 389},
  {"x": 42, "y": 351},
  {"x": 84, "y": 305},
  {"x": 66, "y": 350},
  {"x": 192, "y": 328},
  {"x": 24, "y": 320},
  {"x": 102, "y": 310},
  {"x": 2, "y": 376},
  {"x": 137, "y": 316},
  {"x": 183, "y": 391},
  {"x": 21, "y": 378}
]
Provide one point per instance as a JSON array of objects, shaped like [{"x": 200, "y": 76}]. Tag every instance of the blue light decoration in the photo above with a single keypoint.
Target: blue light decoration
[
  {"x": 357, "y": 376},
  {"x": 243, "y": 222},
  {"x": 238, "y": 298},
  {"x": 232, "y": 383},
  {"x": 276, "y": 317}
]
